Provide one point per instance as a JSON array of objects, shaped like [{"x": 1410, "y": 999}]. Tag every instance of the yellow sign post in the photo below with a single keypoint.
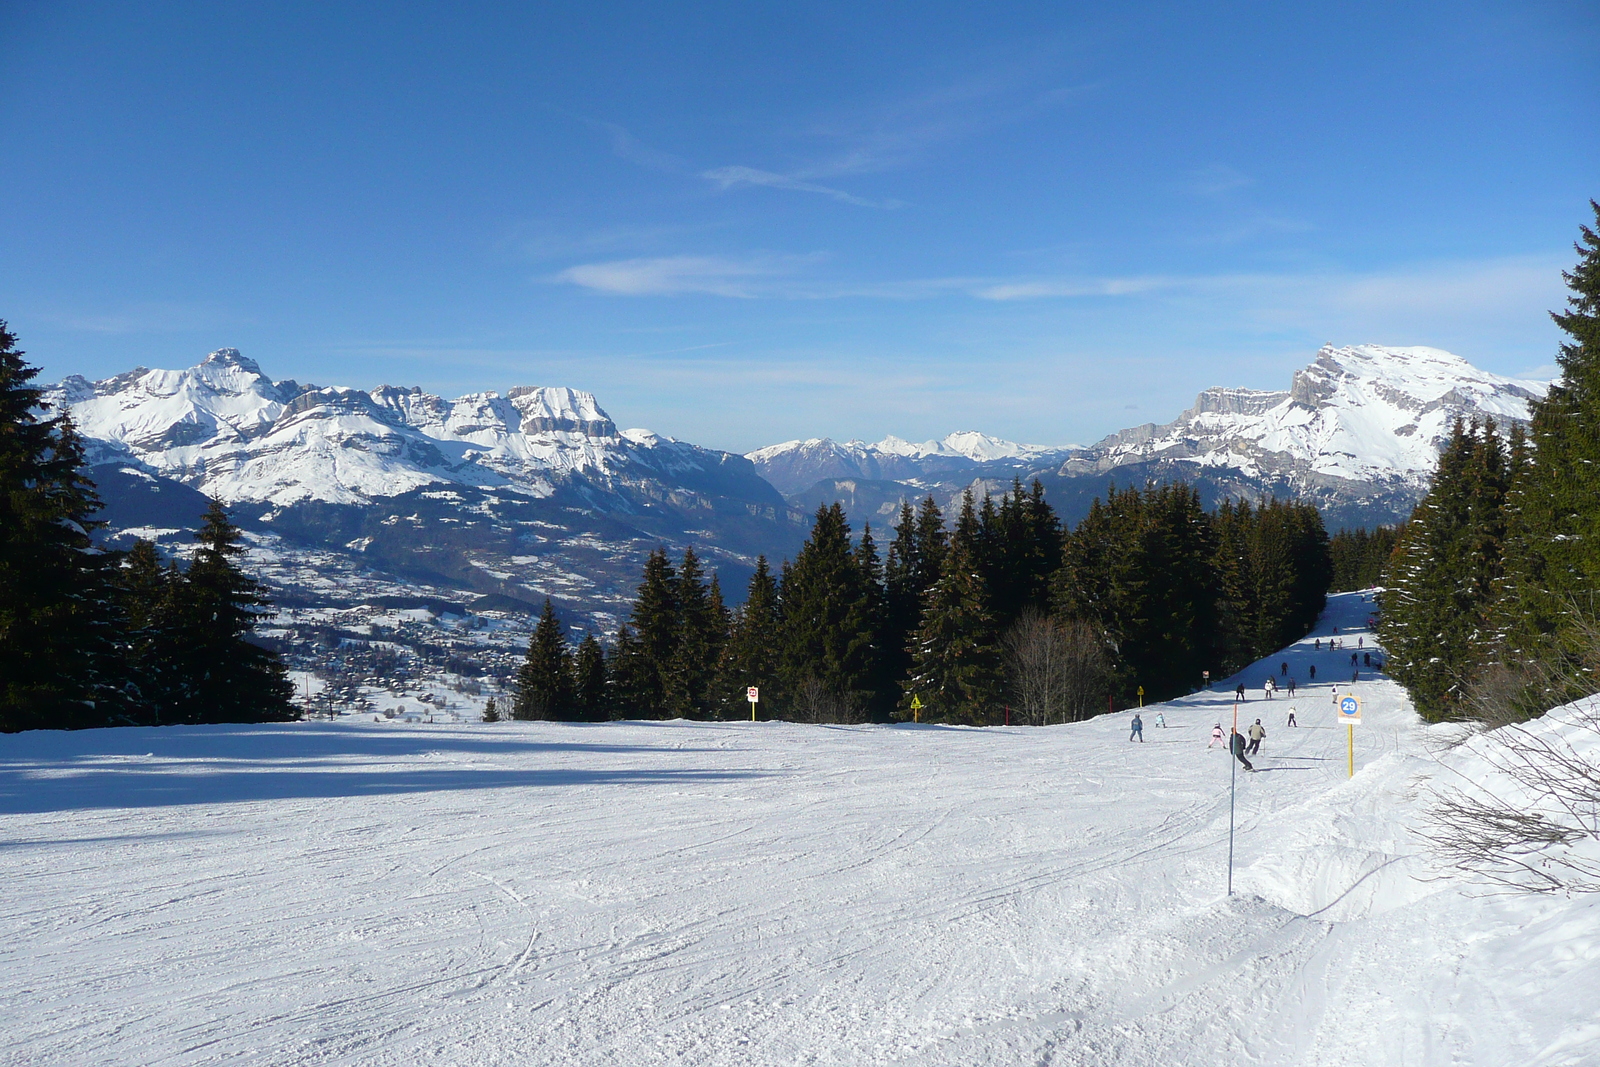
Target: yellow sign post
[
  {"x": 916, "y": 709},
  {"x": 1350, "y": 715},
  {"x": 1141, "y": 696}
]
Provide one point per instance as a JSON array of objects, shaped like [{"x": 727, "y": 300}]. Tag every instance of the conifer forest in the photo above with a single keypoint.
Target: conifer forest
[
  {"x": 999, "y": 615},
  {"x": 1490, "y": 606}
]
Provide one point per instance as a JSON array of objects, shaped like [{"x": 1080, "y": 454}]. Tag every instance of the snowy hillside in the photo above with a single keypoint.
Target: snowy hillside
[
  {"x": 1358, "y": 433},
  {"x": 1366, "y": 414},
  {"x": 750, "y": 894}
]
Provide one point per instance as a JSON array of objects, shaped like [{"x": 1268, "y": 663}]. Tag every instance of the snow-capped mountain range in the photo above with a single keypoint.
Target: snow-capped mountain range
[
  {"x": 1358, "y": 432},
  {"x": 388, "y": 496},
  {"x": 225, "y": 428},
  {"x": 360, "y": 500}
]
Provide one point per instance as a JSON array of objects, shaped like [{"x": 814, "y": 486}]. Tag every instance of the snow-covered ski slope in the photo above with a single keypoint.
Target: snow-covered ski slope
[{"x": 729, "y": 893}]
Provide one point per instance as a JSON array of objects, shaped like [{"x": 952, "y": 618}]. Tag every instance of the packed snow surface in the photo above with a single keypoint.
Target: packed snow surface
[{"x": 737, "y": 893}]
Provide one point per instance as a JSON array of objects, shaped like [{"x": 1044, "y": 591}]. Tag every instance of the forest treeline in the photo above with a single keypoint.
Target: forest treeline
[
  {"x": 102, "y": 638},
  {"x": 1492, "y": 599},
  {"x": 998, "y": 613}
]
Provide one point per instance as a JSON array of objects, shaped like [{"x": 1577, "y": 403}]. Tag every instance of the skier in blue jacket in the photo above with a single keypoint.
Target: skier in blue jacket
[{"x": 1138, "y": 729}]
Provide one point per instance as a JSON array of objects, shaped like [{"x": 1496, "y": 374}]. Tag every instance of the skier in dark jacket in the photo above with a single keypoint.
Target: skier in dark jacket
[
  {"x": 1239, "y": 692},
  {"x": 1313, "y": 670},
  {"x": 1237, "y": 745}
]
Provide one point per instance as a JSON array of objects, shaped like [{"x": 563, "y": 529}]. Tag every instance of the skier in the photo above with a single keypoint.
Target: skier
[
  {"x": 1291, "y": 687},
  {"x": 1257, "y": 732},
  {"x": 1366, "y": 659},
  {"x": 1318, "y": 644},
  {"x": 1355, "y": 675},
  {"x": 1313, "y": 669},
  {"x": 1161, "y": 720},
  {"x": 1216, "y": 736},
  {"x": 1283, "y": 669},
  {"x": 1352, "y": 659},
  {"x": 1237, "y": 747},
  {"x": 1291, "y": 718},
  {"x": 1361, "y": 641},
  {"x": 1269, "y": 687},
  {"x": 1138, "y": 729},
  {"x": 1239, "y": 693}
]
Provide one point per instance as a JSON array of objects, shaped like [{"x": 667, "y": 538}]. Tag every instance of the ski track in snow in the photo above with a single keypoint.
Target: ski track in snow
[{"x": 729, "y": 893}]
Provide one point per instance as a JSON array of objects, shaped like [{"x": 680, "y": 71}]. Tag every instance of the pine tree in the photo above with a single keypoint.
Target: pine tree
[
  {"x": 633, "y": 684},
  {"x": 697, "y": 640},
  {"x": 826, "y": 638},
  {"x": 59, "y": 664},
  {"x": 645, "y": 659},
  {"x": 956, "y": 666},
  {"x": 150, "y": 596},
  {"x": 491, "y": 711},
  {"x": 222, "y": 676},
  {"x": 589, "y": 680},
  {"x": 1442, "y": 581},
  {"x": 751, "y": 655},
  {"x": 1553, "y": 536},
  {"x": 544, "y": 682},
  {"x": 915, "y": 555},
  {"x": 1140, "y": 568}
]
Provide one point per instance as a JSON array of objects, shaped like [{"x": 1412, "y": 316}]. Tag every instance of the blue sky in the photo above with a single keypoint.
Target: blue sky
[{"x": 742, "y": 223}]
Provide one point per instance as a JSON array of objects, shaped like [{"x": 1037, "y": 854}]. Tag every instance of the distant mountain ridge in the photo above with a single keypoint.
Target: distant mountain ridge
[
  {"x": 510, "y": 497},
  {"x": 1358, "y": 432}
]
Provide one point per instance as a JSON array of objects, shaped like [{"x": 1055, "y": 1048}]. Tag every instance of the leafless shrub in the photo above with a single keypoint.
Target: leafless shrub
[
  {"x": 1535, "y": 825},
  {"x": 1538, "y": 829},
  {"x": 1057, "y": 668},
  {"x": 814, "y": 701}
]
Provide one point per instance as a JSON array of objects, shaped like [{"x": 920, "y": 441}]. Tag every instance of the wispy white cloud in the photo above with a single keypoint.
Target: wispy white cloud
[
  {"x": 731, "y": 177},
  {"x": 1036, "y": 289},
  {"x": 676, "y": 275}
]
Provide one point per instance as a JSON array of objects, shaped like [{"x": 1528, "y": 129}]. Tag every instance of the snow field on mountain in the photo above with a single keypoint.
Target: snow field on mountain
[{"x": 737, "y": 893}]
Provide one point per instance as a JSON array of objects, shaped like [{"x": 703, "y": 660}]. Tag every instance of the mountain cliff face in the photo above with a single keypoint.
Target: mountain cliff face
[
  {"x": 1358, "y": 433},
  {"x": 486, "y": 499}
]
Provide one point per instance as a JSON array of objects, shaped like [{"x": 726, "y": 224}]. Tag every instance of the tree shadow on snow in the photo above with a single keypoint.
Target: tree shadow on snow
[{"x": 44, "y": 771}]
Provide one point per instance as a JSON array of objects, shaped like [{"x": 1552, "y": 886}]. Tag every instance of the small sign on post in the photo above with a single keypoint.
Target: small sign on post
[
  {"x": 753, "y": 695},
  {"x": 1141, "y": 696},
  {"x": 1350, "y": 715},
  {"x": 916, "y": 709}
]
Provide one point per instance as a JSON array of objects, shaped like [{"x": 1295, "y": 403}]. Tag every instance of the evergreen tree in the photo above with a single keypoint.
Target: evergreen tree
[
  {"x": 1140, "y": 568},
  {"x": 151, "y": 603},
  {"x": 1360, "y": 556},
  {"x": 882, "y": 684},
  {"x": 633, "y": 685},
  {"x": 751, "y": 655},
  {"x": 956, "y": 665},
  {"x": 545, "y": 688},
  {"x": 697, "y": 640},
  {"x": 59, "y": 664},
  {"x": 1441, "y": 582},
  {"x": 915, "y": 556},
  {"x": 827, "y": 641},
  {"x": 590, "y": 681},
  {"x": 1553, "y": 537},
  {"x": 491, "y": 711},
  {"x": 646, "y": 659},
  {"x": 222, "y": 676}
]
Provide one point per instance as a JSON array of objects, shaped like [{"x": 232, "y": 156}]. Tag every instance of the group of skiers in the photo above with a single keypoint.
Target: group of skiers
[{"x": 1243, "y": 746}]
